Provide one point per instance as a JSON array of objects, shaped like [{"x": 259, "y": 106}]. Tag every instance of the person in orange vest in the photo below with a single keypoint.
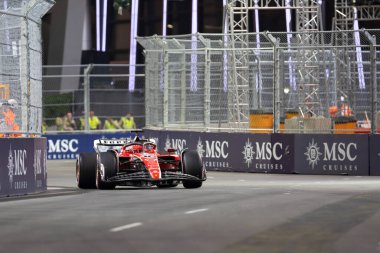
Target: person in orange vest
[
  {"x": 127, "y": 122},
  {"x": 10, "y": 124},
  {"x": 345, "y": 110}
]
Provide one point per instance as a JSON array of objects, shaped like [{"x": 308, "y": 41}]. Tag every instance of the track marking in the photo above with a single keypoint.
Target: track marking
[
  {"x": 125, "y": 227},
  {"x": 197, "y": 211},
  {"x": 55, "y": 188}
]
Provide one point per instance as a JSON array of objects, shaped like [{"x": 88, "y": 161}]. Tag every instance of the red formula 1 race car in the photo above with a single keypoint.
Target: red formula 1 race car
[{"x": 137, "y": 163}]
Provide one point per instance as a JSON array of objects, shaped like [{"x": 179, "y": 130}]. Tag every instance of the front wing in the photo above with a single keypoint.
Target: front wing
[{"x": 145, "y": 176}]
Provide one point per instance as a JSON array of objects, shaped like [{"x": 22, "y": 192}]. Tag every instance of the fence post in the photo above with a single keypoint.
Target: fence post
[
  {"x": 25, "y": 75},
  {"x": 207, "y": 92},
  {"x": 86, "y": 94},
  {"x": 183, "y": 81},
  {"x": 166, "y": 89}
]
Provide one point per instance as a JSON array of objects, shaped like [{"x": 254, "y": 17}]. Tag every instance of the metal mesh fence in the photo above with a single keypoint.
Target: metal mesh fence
[
  {"x": 329, "y": 86},
  {"x": 20, "y": 66},
  {"x": 102, "y": 89}
]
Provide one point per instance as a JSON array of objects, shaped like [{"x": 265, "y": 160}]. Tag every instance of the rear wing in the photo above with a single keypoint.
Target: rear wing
[{"x": 102, "y": 145}]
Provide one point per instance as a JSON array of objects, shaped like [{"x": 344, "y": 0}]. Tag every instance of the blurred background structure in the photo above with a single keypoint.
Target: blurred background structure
[
  {"x": 314, "y": 64},
  {"x": 20, "y": 66}
]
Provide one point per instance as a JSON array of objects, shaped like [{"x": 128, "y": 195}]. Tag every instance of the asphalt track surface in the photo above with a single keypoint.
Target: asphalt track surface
[{"x": 232, "y": 212}]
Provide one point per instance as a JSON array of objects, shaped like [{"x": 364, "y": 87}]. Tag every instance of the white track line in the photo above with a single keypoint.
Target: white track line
[
  {"x": 129, "y": 226},
  {"x": 197, "y": 211},
  {"x": 55, "y": 188}
]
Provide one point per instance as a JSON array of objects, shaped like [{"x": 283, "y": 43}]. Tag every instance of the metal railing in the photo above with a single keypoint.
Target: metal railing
[
  {"x": 101, "y": 88},
  {"x": 189, "y": 83}
]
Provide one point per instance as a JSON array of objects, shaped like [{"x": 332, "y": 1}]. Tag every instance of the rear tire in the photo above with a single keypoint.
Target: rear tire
[
  {"x": 109, "y": 161},
  {"x": 85, "y": 170},
  {"x": 192, "y": 165}
]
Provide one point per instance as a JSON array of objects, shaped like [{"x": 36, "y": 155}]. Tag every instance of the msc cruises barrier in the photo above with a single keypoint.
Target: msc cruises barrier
[
  {"x": 22, "y": 166},
  {"x": 69, "y": 146},
  {"x": 319, "y": 154}
]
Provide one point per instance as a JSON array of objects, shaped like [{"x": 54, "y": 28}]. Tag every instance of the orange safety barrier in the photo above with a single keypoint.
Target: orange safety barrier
[
  {"x": 291, "y": 114},
  {"x": 346, "y": 124},
  {"x": 261, "y": 119}
]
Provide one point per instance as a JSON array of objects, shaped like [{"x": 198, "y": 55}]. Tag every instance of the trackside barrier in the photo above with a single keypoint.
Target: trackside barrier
[
  {"x": 374, "y": 144},
  {"x": 69, "y": 146},
  {"x": 22, "y": 166},
  {"x": 319, "y": 154}
]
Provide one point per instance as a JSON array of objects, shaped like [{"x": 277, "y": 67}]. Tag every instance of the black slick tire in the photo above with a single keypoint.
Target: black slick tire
[
  {"x": 85, "y": 170},
  {"x": 109, "y": 161},
  {"x": 192, "y": 165}
]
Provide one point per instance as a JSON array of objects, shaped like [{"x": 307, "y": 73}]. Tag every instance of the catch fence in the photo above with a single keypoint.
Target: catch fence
[
  {"x": 20, "y": 66},
  {"x": 329, "y": 85},
  {"x": 101, "y": 88}
]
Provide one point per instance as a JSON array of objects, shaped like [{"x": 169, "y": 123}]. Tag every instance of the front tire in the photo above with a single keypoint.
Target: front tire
[
  {"x": 192, "y": 165},
  {"x": 109, "y": 162},
  {"x": 85, "y": 170}
]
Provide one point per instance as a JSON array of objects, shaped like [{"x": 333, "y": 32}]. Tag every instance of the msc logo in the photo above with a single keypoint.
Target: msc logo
[
  {"x": 263, "y": 151},
  {"x": 312, "y": 153},
  {"x": 16, "y": 163},
  {"x": 336, "y": 151},
  {"x": 178, "y": 144},
  {"x": 63, "y": 146},
  {"x": 212, "y": 149}
]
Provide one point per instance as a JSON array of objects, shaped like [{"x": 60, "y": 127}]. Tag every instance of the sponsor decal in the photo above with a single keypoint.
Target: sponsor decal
[
  {"x": 63, "y": 148},
  {"x": 39, "y": 169},
  {"x": 334, "y": 156},
  {"x": 267, "y": 155},
  {"x": 63, "y": 145},
  {"x": 200, "y": 148},
  {"x": 312, "y": 153},
  {"x": 179, "y": 144},
  {"x": 214, "y": 153},
  {"x": 248, "y": 153},
  {"x": 10, "y": 166},
  {"x": 17, "y": 168}
]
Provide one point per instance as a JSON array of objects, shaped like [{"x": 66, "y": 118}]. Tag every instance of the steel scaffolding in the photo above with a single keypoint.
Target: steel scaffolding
[
  {"x": 308, "y": 17},
  {"x": 238, "y": 76}
]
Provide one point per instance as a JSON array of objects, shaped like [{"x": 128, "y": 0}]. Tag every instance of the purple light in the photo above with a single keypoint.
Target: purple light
[
  {"x": 97, "y": 25},
  {"x": 105, "y": 7},
  {"x": 132, "y": 54},
  {"x": 292, "y": 78},
  {"x": 165, "y": 18},
  {"x": 359, "y": 56},
  {"x": 194, "y": 60},
  {"x": 257, "y": 28},
  {"x": 225, "y": 58}
]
